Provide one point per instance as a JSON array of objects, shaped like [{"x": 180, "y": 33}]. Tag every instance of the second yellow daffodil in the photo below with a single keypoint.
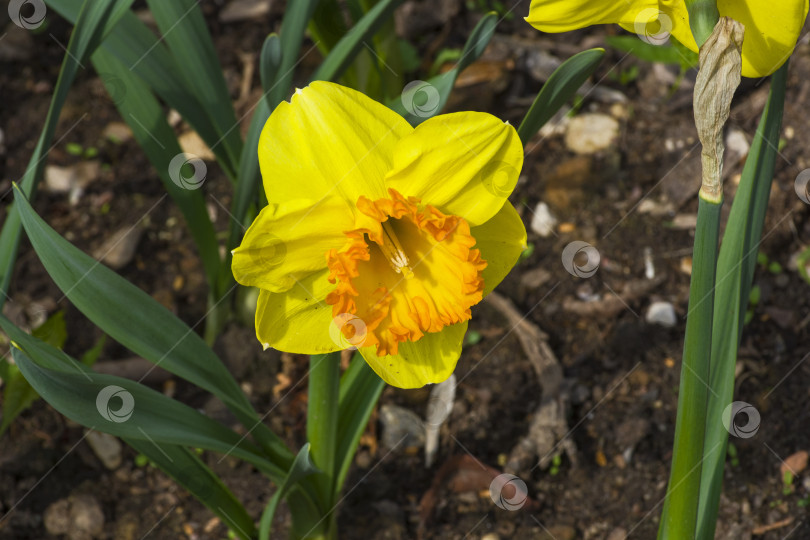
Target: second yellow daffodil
[
  {"x": 379, "y": 235},
  {"x": 771, "y": 27}
]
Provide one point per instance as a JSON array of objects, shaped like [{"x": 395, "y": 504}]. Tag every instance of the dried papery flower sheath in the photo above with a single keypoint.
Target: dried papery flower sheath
[{"x": 717, "y": 79}]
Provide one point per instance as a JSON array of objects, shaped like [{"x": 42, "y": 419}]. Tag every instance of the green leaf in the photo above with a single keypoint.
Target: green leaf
[
  {"x": 184, "y": 31},
  {"x": 344, "y": 52},
  {"x": 735, "y": 273},
  {"x": 122, "y": 407},
  {"x": 192, "y": 474},
  {"x": 327, "y": 27},
  {"x": 94, "y": 19},
  {"x": 323, "y": 419},
  {"x": 269, "y": 63},
  {"x": 138, "y": 48},
  {"x": 561, "y": 86},
  {"x": 295, "y": 22},
  {"x": 156, "y": 137},
  {"x": 18, "y": 395},
  {"x": 301, "y": 467},
  {"x": 679, "y": 516},
  {"x": 91, "y": 355},
  {"x": 141, "y": 324},
  {"x": 360, "y": 388},
  {"x": 665, "y": 54},
  {"x": 439, "y": 88},
  {"x": 53, "y": 331}
]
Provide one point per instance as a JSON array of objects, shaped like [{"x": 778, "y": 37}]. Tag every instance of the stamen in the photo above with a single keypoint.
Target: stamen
[{"x": 392, "y": 249}]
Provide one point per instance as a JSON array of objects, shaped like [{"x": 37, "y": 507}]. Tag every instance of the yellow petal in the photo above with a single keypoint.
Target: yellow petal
[
  {"x": 432, "y": 359},
  {"x": 297, "y": 321},
  {"x": 771, "y": 31},
  {"x": 462, "y": 163},
  {"x": 329, "y": 140},
  {"x": 288, "y": 241},
  {"x": 565, "y": 15},
  {"x": 677, "y": 23},
  {"x": 501, "y": 240}
]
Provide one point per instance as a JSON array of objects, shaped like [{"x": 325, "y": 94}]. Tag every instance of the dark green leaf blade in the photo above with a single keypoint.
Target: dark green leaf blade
[
  {"x": 122, "y": 407},
  {"x": 199, "y": 480},
  {"x": 559, "y": 88},
  {"x": 301, "y": 467},
  {"x": 735, "y": 272},
  {"x": 439, "y": 87},
  {"x": 146, "y": 118},
  {"x": 184, "y": 31},
  {"x": 360, "y": 388},
  {"x": 345, "y": 51},
  {"x": 140, "y": 323},
  {"x": 95, "y": 18}
]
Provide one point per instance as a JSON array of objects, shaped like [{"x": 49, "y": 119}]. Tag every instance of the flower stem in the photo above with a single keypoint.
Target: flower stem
[
  {"x": 703, "y": 15},
  {"x": 679, "y": 516},
  {"x": 322, "y": 424}
]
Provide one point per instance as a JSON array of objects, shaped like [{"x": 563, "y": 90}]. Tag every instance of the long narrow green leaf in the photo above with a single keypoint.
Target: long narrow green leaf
[
  {"x": 668, "y": 54},
  {"x": 270, "y": 61},
  {"x": 18, "y": 394},
  {"x": 137, "y": 47},
  {"x": 141, "y": 324},
  {"x": 249, "y": 175},
  {"x": 322, "y": 419},
  {"x": 146, "y": 118},
  {"x": 735, "y": 272},
  {"x": 301, "y": 468},
  {"x": 360, "y": 388},
  {"x": 343, "y": 54},
  {"x": 138, "y": 412},
  {"x": 295, "y": 23},
  {"x": 559, "y": 88},
  {"x": 184, "y": 31},
  {"x": 679, "y": 515},
  {"x": 438, "y": 88},
  {"x": 192, "y": 474},
  {"x": 96, "y": 18},
  {"x": 327, "y": 27}
]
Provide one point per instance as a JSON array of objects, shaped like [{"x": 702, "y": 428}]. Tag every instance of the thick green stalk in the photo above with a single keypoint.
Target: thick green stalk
[
  {"x": 322, "y": 425},
  {"x": 703, "y": 16},
  {"x": 735, "y": 272},
  {"x": 680, "y": 512}
]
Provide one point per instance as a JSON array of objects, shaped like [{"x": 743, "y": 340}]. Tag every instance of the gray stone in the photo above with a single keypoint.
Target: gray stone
[{"x": 662, "y": 313}]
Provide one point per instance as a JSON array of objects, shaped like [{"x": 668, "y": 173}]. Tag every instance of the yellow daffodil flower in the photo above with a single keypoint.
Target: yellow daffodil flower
[
  {"x": 379, "y": 235},
  {"x": 771, "y": 27}
]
